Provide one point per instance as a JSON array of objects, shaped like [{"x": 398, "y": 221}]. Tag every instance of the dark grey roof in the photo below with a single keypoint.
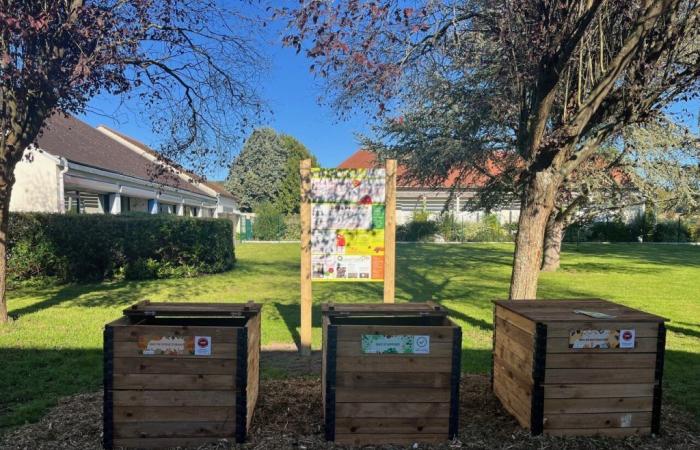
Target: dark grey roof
[{"x": 80, "y": 143}]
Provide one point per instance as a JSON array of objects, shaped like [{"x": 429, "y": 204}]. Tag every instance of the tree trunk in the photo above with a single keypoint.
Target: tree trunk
[
  {"x": 553, "y": 236},
  {"x": 4, "y": 222},
  {"x": 536, "y": 206},
  {"x": 12, "y": 146}
]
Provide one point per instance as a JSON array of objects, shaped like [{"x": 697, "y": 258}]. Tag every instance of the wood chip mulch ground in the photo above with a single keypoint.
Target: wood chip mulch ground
[{"x": 288, "y": 416}]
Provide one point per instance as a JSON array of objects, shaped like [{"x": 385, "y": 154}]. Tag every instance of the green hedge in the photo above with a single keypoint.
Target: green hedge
[
  {"x": 75, "y": 247},
  {"x": 648, "y": 230}
]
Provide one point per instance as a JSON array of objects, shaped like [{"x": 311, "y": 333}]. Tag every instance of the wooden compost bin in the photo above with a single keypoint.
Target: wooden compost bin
[
  {"x": 180, "y": 374},
  {"x": 562, "y": 371},
  {"x": 374, "y": 397}
]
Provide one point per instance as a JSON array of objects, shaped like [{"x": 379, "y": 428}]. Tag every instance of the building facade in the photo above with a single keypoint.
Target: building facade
[
  {"x": 84, "y": 170},
  {"x": 412, "y": 198}
]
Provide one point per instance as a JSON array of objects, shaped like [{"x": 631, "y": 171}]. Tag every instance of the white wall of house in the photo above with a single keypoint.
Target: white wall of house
[
  {"x": 409, "y": 200},
  {"x": 37, "y": 185}
]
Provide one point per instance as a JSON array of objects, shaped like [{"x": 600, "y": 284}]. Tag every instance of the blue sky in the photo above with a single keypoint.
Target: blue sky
[{"x": 291, "y": 93}]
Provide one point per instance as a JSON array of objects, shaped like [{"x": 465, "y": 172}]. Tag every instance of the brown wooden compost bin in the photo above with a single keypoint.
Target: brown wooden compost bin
[
  {"x": 180, "y": 374},
  {"x": 372, "y": 396},
  {"x": 562, "y": 371}
]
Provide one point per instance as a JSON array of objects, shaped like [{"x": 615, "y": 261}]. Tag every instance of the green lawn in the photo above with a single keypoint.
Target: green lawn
[{"x": 53, "y": 348}]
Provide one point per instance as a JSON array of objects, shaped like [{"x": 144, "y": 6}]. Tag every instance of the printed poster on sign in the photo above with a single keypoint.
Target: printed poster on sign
[
  {"x": 358, "y": 186},
  {"x": 601, "y": 339},
  {"x": 347, "y": 224},
  {"x": 347, "y": 267},
  {"x": 401, "y": 344},
  {"x": 348, "y": 242}
]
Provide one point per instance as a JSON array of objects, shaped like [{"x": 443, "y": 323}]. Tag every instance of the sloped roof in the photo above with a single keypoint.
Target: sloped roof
[
  {"x": 216, "y": 187},
  {"x": 365, "y": 159},
  {"x": 219, "y": 187},
  {"x": 80, "y": 143}
]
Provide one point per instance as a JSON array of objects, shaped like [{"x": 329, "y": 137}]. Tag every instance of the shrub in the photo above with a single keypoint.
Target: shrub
[
  {"x": 76, "y": 247},
  {"x": 416, "y": 231},
  {"x": 292, "y": 228},
  {"x": 614, "y": 231},
  {"x": 488, "y": 229},
  {"x": 694, "y": 228},
  {"x": 449, "y": 228},
  {"x": 269, "y": 223},
  {"x": 671, "y": 231},
  {"x": 420, "y": 215}
]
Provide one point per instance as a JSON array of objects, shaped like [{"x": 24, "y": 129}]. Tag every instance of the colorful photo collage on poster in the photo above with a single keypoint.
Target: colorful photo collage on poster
[{"x": 347, "y": 224}]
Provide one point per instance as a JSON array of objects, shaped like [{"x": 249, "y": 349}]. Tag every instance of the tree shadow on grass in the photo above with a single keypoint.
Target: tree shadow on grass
[
  {"x": 32, "y": 380},
  {"x": 455, "y": 255},
  {"x": 121, "y": 293},
  {"x": 612, "y": 267},
  {"x": 661, "y": 254},
  {"x": 683, "y": 330},
  {"x": 472, "y": 321},
  {"x": 439, "y": 272},
  {"x": 247, "y": 267},
  {"x": 124, "y": 293},
  {"x": 681, "y": 382}
]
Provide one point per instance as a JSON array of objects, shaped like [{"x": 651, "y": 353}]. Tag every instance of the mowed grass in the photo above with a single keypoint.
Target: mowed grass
[{"x": 53, "y": 347}]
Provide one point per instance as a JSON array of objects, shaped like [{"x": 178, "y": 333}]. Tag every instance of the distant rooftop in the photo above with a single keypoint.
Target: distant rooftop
[{"x": 365, "y": 159}]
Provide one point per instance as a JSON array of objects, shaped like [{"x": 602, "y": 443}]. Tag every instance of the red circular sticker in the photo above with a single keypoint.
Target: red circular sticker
[
  {"x": 203, "y": 342},
  {"x": 627, "y": 335}
]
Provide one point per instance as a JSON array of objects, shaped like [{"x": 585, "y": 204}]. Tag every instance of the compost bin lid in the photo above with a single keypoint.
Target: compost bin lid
[
  {"x": 147, "y": 308},
  {"x": 383, "y": 309},
  {"x": 588, "y": 310}
]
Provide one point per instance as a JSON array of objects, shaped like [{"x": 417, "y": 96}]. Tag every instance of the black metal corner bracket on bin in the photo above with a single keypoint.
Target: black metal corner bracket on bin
[
  {"x": 454, "y": 382},
  {"x": 108, "y": 382},
  {"x": 331, "y": 356},
  {"x": 538, "y": 369},
  {"x": 241, "y": 384},
  {"x": 658, "y": 380}
]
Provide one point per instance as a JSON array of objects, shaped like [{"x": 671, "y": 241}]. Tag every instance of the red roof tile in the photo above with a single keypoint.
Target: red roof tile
[{"x": 365, "y": 159}]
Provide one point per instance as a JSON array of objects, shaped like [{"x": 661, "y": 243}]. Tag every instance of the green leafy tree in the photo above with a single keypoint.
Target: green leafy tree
[
  {"x": 257, "y": 172},
  {"x": 269, "y": 222},
  {"x": 289, "y": 196}
]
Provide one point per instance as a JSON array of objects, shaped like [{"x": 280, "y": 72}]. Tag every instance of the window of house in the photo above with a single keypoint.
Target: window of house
[
  {"x": 125, "y": 204},
  {"x": 82, "y": 202}
]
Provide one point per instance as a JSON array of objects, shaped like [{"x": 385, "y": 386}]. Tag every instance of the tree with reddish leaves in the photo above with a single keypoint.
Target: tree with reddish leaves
[
  {"x": 189, "y": 64},
  {"x": 563, "y": 76}
]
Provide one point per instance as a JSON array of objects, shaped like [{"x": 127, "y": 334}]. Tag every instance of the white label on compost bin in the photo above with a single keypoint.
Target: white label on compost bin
[
  {"x": 627, "y": 338},
  {"x": 591, "y": 339},
  {"x": 401, "y": 344},
  {"x": 202, "y": 345}
]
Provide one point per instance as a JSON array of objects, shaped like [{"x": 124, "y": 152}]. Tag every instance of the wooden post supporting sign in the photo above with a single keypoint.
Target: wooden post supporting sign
[{"x": 306, "y": 292}]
